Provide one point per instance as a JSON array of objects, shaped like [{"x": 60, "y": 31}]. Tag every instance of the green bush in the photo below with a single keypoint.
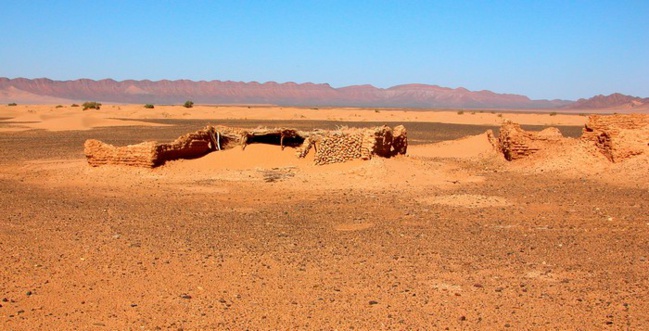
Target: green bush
[
  {"x": 149, "y": 106},
  {"x": 188, "y": 104},
  {"x": 12, "y": 104},
  {"x": 91, "y": 105}
]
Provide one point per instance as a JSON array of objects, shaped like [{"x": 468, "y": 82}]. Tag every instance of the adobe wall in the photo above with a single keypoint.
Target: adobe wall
[
  {"x": 140, "y": 155},
  {"x": 189, "y": 146},
  {"x": 516, "y": 143},
  {"x": 350, "y": 144},
  {"x": 338, "y": 148},
  {"x": 618, "y": 137}
]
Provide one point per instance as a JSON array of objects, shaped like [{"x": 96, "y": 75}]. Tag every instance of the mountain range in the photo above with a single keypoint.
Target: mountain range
[{"x": 44, "y": 91}]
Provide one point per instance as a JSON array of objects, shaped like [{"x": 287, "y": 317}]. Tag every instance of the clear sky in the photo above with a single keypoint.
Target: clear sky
[{"x": 544, "y": 49}]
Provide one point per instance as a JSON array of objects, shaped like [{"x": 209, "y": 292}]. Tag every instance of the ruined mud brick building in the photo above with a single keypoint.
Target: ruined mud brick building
[
  {"x": 328, "y": 146},
  {"x": 618, "y": 137}
]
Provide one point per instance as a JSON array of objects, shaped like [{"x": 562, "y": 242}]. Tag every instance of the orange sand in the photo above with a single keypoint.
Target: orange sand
[{"x": 48, "y": 117}]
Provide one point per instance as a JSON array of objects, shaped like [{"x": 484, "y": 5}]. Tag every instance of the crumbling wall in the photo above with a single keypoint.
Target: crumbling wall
[
  {"x": 399, "y": 140},
  {"x": 189, "y": 146},
  {"x": 379, "y": 140},
  {"x": 140, "y": 155},
  {"x": 151, "y": 154},
  {"x": 516, "y": 143},
  {"x": 618, "y": 137}
]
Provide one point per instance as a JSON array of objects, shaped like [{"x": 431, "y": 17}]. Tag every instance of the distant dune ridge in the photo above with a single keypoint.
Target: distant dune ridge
[{"x": 44, "y": 91}]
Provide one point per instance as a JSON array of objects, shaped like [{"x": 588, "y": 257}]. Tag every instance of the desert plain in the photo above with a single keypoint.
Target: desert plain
[{"x": 449, "y": 236}]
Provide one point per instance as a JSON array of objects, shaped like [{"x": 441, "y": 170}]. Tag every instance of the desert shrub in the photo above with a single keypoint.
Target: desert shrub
[
  {"x": 91, "y": 105},
  {"x": 377, "y": 111},
  {"x": 74, "y": 105},
  {"x": 500, "y": 115},
  {"x": 460, "y": 112},
  {"x": 188, "y": 104},
  {"x": 149, "y": 106},
  {"x": 12, "y": 104},
  {"x": 554, "y": 113},
  {"x": 59, "y": 106}
]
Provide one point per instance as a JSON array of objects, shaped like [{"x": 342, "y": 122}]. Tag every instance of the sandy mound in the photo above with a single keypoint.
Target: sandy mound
[
  {"x": 469, "y": 147},
  {"x": 254, "y": 156}
]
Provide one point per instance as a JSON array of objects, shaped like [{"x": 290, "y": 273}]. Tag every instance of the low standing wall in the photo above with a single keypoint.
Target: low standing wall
[{"x": 618, "y": 137}]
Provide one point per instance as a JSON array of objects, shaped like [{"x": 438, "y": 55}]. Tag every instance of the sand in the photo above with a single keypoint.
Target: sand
[
  {"x": 49, "y": 117},
  {"x": 449, "y": 236}
]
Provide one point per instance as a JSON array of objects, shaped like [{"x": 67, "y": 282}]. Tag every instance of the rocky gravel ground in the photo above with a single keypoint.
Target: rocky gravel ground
[{"x": 551, "y": 252}]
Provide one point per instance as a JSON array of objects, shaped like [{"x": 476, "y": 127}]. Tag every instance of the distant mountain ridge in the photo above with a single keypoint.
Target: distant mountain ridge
[
  {"x": 44, "y": 90},
  {"x": 613, "y": 101}
]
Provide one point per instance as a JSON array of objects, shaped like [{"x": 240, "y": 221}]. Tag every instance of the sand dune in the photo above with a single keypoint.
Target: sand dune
[{"x": 468, "y": 147}]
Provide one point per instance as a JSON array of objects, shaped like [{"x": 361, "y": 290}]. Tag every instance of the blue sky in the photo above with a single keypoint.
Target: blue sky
[{"x": 542, "y": 49}]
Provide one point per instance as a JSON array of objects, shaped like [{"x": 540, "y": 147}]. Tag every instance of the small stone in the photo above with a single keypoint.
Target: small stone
[
  {"x": 134, "y": 305},
  {"x": 462, "y": 318},
  {"x": 185, "y": 296},
  {"x": 28, "y": 293},
  {"x": 372, "y": 302}
]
